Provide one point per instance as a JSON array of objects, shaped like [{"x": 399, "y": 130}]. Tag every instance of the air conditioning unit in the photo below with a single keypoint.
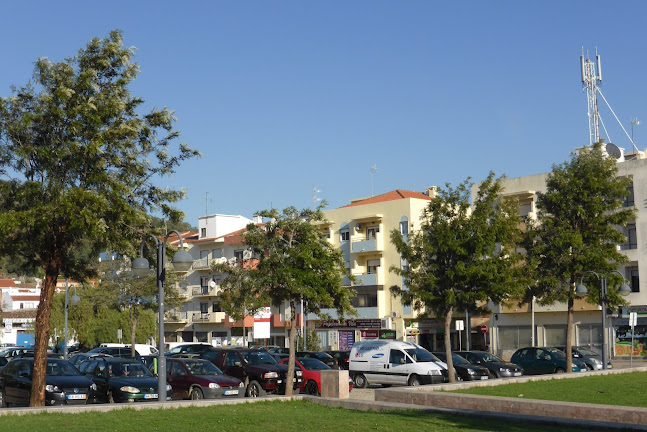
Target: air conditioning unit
[
  {"x": 386, "y": 323},
  {"x": 395, "y": 314},
  {"x": 247, "y": 254}
]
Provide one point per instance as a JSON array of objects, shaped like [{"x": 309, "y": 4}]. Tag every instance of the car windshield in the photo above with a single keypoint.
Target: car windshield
[
  {"x": 487, "y": 357},
  {"x": 202, "y": 368},
  {"x": 587, "y": 352},
  {"x": 61, "y": 368},
  {"x": 556, "y": 352},
  {"x": 258, "y": 357},
  {"x": 313, "y": 364},
  {"x": 421, "y": 355},
  {"x": 128, "y": 370},
  {"x": 458, "y": 359}
]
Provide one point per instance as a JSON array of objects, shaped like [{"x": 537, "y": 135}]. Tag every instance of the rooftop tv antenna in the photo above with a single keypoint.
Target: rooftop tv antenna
[
  {"x": 591, "y": 77},
  {"x": 373, "y": 171}
]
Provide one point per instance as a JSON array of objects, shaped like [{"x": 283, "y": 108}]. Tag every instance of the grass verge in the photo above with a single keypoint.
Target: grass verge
[
  {"x": 618, "y": 389},
  {"x": 267, "y": 416}
]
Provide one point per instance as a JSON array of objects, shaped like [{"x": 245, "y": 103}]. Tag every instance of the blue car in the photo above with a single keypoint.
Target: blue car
[{"x": 539, "y": 361}]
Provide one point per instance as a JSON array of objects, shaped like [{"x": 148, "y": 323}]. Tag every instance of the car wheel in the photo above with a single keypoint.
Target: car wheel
[
  {"x": 589, "y": 367},
  {"x": 196, "y": 393},
  {"x": 559, "y": 370},
  {"x": 255, "y": 390},
  {"x": 312, "y": 389},
  {"x": 3, "y": 402},
  {"x": 360, "y": 381},
  {"x": 414, "y": 381}
]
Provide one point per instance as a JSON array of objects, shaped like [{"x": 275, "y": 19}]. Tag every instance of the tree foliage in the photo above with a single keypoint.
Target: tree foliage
[
  {"x": 296, "y": 260},
  {"x": 79, "y": 163},
  {"x": 577, "y": 230},
  {"x": 462, "y": 255}
]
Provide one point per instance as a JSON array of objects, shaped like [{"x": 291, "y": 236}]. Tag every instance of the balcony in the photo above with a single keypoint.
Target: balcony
[
  {"x": 201, "y": 264},
  {"x": 205, "y": 317},
  {"x": 369, "y": 279},
  {"x": 176, "y": 317},
  {"x": 207, "y": 291},
  {"x": 375, "y": 244}
]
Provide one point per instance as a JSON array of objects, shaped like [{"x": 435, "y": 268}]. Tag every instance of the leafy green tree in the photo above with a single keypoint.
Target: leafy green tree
[
  {"x": 462, "y": 255},
  {"x": 241, "y": 295},
  {"x": 167, "y": 225},
  {"x": 296, "y": 260},
  {"x": 577, "y": 230},
  {"x": 311, "y": 341},
  {"x": 81, "y": 162}
]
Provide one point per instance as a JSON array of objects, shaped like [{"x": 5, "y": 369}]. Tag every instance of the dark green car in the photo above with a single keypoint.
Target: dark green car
[{"x": 539, "y": 361}]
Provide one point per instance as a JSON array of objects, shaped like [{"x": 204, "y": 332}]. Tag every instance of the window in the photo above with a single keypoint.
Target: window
[
  {"x": 204, "y": 308},
  {"x": 372, "y": 265},
  {"x": 218, "y": 334},
  {"x": 344, "y": 235},
  {"x": 555, "y": 335},
  {"x": 201, "y": 336},
  {"x": 204, "y": 254},
  {"x": 238, "y": 254},
  {"x": 177, "y": 369},
  {"x": 629, "y": 200},
  {"x": 404, "y": 227},
  {"x": 365, "y": 300},
  {"x": 514, "y": 337},
  {"x": 203, "y": 232},
  {"x": 215, "y": 307},
  {"x": 632, "y": 240},
  {"x": 631, "y": 273},
  {"x": 204, "y": 281},
  {"x": 371, "y": 232},
  {"x": 589, "y": 335},
  {"x": 216, "y": 253}
]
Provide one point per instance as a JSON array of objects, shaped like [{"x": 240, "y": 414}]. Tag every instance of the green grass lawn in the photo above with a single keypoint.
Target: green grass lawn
[
  {"x": 620, "y": 389},
  {"x": 267, "y": 416}
]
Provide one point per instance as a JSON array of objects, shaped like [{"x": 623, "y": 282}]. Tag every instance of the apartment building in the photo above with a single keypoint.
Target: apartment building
[{"x": 513, "y": 326}]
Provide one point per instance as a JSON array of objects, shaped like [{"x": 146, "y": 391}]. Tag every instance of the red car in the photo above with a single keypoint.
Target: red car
[
  {"x": 312, "y": 375},
  {"x": 200, "y": 379}
]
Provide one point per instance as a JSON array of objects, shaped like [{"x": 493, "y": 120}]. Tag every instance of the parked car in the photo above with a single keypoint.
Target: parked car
[
  {"x": 64, "y": 384},
  {"x": 122, "y": 380},
  {"x": 538, "y": 361},
  {"x": 321, "y": 356},
  {"x": 201, "y": 379},
  {"x": 14, "y": 351},
  {"x": 498, "y": 367},
  {"x": 260, "y": 372},
  {"x": 189, "y": 348},
  {"x": 142, "y": 349},
  {"x": 312, "y": 374},
  {"x": 465, "y": 370},
  {"x": 341, "y": 356},
  {"x": 79, "y": 358},
  {"x": 114, "y": 351},
  {"x": 3, "y": 362},
  {"x": 591, "y": 359}
]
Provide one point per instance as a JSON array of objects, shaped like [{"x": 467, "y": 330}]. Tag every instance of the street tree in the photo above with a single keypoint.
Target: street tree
[
  {"x": 79, "y": 163},
  {"x": 577, "y": 230},
  {"x": 462, "y": 255},
  {"x": 296, "y": 261}
]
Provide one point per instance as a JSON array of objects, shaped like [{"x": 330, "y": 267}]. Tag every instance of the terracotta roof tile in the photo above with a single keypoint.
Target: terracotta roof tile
[{"x": 389, "y": 196}]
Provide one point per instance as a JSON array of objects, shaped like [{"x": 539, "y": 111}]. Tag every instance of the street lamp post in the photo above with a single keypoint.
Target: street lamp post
[
  {"x": 75, "y": 300},
  {"x": 582, "y": 291},
  {"x": 182, "y": 261}
]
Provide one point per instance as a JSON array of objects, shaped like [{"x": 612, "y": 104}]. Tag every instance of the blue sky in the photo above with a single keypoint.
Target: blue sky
[{"x": 284, "y": 96}]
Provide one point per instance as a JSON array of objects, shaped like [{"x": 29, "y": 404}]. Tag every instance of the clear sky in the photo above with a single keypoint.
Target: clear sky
[{"x": 284, "y": 96}]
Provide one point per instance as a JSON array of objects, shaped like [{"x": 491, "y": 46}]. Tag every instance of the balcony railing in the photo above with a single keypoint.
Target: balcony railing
[
  {"x": 176, "y": 317},
  {"x": 207, "y": 291},
  {"x": 201, "y": 264},
  {"x": 374, "y": 244},
  {"x": 213, "y": 317}
]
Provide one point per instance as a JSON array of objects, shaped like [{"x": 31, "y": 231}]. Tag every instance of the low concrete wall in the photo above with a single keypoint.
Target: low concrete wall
[{"x": 438, "y": 396}]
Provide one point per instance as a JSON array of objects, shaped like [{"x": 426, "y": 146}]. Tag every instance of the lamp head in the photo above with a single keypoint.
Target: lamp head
[
  {"x": 182, "y": 261},
  {"x": 624, "y": 290},
  {"x": 75, "y": 300},
  {"x": 581, "y": 291},
  {"x": 141, "y": 267}
]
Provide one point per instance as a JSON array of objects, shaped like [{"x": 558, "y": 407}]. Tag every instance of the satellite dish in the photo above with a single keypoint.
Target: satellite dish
[
  {"x": 223, "y": 260},
  {"x": 614, "y": 150},
  {"x": 212, "y": 283}
]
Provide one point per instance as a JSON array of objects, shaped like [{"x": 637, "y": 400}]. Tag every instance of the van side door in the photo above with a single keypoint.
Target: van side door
[{"x": 397, "y": 367}]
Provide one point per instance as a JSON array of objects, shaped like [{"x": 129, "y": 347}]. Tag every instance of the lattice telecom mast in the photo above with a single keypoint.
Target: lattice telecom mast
[{"x": 591, "y": 76}]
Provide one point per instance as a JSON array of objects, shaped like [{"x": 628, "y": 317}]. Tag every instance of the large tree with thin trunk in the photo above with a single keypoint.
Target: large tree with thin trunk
[
  {"x": 577, "y": 230},
  {"x": 462, "y": 255},
  {"x": 78, "y": 162},
  {"x": 296, "y": 261}
]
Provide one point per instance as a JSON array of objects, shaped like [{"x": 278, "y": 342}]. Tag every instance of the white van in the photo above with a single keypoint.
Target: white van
[{"x": 394, "y": 362}]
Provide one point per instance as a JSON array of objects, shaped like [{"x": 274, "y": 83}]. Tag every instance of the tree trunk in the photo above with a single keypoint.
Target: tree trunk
[
  {"x": 293, "y": 332},
  {"x": 134, "y": 317},
  {"x": 43, "y": 313},
  {"x": 569, "y": 336},
  {"x": 448, "y": 345}
]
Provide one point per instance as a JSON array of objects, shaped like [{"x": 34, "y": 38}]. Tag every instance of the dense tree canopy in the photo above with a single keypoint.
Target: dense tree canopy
[
  {"x": 462, "y": 255},
  {"x": 296, "y": 260},
  {"x": 77, "y": 164},
  {"x": 577, "y": 230}
]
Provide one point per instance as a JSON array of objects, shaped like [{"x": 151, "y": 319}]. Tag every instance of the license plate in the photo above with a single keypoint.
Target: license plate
[
  {"x": 231, "y": 392},
  {"x": 150, "y": 396},
  {"x": 76, "y": 396},
  {"x": 484, "y": 377},
  {"x": 516, "y": 374}
]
